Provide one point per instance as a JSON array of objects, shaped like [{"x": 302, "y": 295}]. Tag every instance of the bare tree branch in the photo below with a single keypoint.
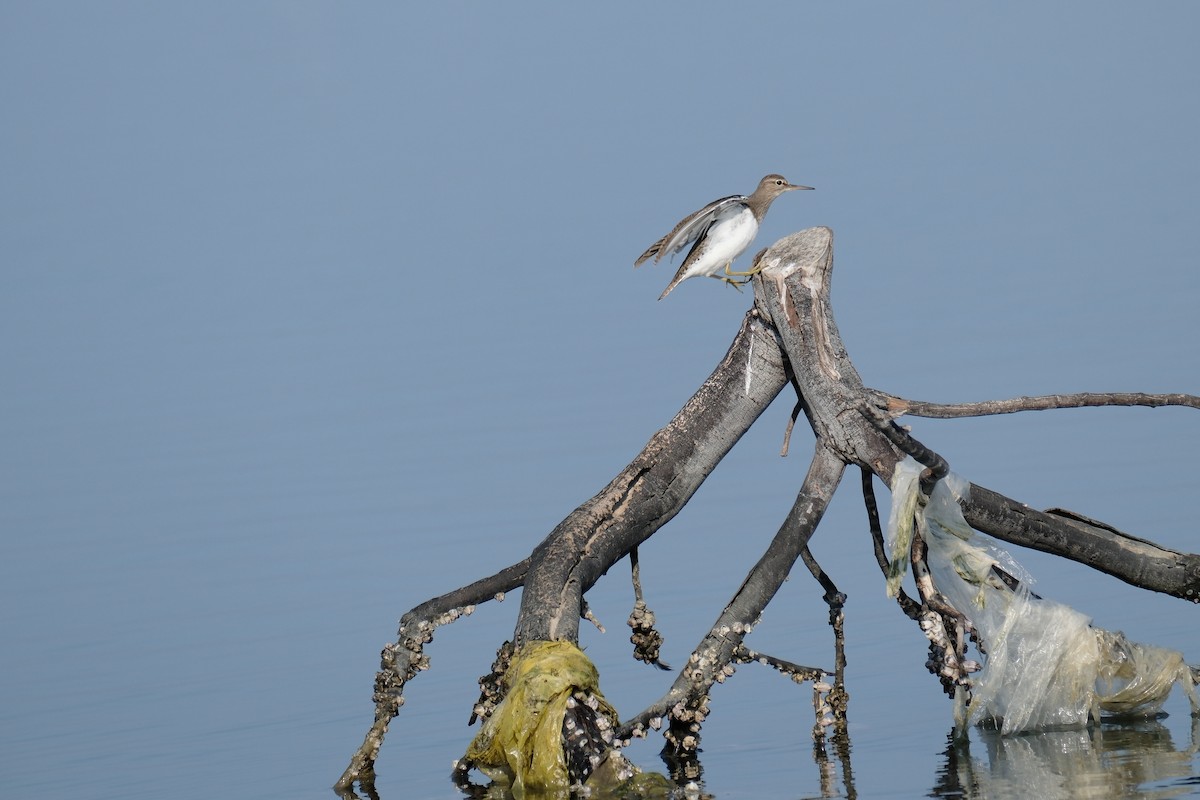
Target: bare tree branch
[
  {"x": 899, "y": 406},
  {"x": 686, "y": 701},
  {"x": 653, "y": 488},
  {"x": 401, "y": 660},
  {"x": 1136, "y": 561}
]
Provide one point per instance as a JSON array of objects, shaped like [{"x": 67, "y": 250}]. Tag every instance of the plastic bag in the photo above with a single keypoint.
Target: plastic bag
[{"x": 1045, "y": 664}]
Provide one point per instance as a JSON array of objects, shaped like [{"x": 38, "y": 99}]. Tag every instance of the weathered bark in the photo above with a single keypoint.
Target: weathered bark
[
  {"x": 899, "y": 406},
  {"x": 653, "y": 488},
  {"x": 1136, "y": 561},
  {"x": 793, "y": 292}
]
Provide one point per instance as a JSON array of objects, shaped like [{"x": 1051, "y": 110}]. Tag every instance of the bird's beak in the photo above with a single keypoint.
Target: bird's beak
[{"x": 793, "y": 187}]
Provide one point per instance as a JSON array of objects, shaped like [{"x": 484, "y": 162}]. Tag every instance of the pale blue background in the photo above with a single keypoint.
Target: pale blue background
[{"x": 311, "y": 311}]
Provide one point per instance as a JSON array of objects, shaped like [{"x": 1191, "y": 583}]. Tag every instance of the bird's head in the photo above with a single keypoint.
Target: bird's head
[{"x": 774, "y": 185}]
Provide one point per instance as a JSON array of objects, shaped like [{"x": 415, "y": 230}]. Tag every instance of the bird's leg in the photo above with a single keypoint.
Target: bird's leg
[
  {"x": 748, "y": 274},
  {"x": 730, "y": 281}
]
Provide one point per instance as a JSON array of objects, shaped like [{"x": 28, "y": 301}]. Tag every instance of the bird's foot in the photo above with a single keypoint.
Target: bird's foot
[
  {"x": 748, "y": 274},
  {"x": 731, "y": 282}
]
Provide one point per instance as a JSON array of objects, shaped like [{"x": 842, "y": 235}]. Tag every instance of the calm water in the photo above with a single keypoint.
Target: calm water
[{"x": 208, "y": 538}]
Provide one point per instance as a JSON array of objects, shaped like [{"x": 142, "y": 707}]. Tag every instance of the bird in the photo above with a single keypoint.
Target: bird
[{"x": 721, "y": 230}]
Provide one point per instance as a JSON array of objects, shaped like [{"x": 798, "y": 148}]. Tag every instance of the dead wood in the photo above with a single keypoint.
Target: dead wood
[{"x": 789, "y": 336}]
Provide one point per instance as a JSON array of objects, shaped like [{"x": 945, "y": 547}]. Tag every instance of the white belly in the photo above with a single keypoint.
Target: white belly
[{"x": 730, "y": 234}]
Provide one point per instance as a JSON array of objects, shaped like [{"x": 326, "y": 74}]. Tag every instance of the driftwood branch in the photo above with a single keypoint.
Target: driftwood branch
[
  {"x": 789, "y": 336},
  {"x": 653, "y": 488},
  {"x": 710, "y": 662},
  {"x": 401, "y": 660},
  {"x": 1136, "y": 561},
  {"x": 898, "y": 406}
]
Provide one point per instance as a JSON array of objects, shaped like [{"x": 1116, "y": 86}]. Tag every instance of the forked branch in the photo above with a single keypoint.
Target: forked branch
[{"x": 790, "y": 335}]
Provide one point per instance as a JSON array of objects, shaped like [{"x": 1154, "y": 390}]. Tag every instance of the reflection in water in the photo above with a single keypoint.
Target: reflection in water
[
  {"x": 828, "y": 763},
  {"x": 1128, "y": 760},
  {"x": 1113, "y": 761},
  {"x": 686, "y": 772}
]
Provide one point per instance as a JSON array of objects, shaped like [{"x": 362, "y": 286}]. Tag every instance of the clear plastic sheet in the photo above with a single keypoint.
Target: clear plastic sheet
[{"x": 1046, "y": 666}]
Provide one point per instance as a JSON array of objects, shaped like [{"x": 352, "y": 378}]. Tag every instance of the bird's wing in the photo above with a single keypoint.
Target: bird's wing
[{"x": 689, "y": 229}]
